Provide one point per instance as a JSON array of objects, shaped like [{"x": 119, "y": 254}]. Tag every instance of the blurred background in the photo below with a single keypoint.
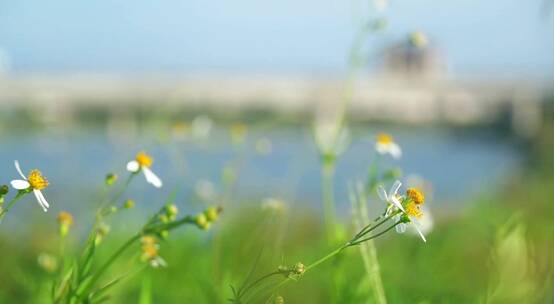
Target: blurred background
[{"x": 225, "y": 95}]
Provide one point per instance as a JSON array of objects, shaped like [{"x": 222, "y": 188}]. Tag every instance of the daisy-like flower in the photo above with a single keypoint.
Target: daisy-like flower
[
  {"x": 391, "y": 198},
  {"x": 35, "y": 182},
  {"x": 409, "y": 205},
  {"x": 385, "y": 145},
  {"x": 143, "y": 162}
]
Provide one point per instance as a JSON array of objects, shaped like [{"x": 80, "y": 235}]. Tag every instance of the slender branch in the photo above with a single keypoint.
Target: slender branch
[
  {"x": 243, "y": 291},
  {"x": 375, "y": 235},
  {"x": 10, "y": 204},
  {"x": 365, "y": 230}
]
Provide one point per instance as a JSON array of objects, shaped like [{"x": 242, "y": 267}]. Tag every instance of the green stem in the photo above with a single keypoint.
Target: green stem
[
  {"x": 335, "y": 252},
  {"x": 375, "y": 235},
  {"x": 259, "y": 280},
  {"x": 118, "y": 194},
  {"x": 329, "y": 213},
  {"x": 146, "y": 230},
  {"x": 10, "y": 204},
  {"x": 325, "y": 258},
  {"x": 114, "y": 257},
  {"x": 365, "y": 230}
]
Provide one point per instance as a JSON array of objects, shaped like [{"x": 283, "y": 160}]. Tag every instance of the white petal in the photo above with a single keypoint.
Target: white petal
[
  {"x": 395, "y": 150},
  {"x": 381, "y": 148},
  {"x": 19, "y": 184},
  {"x": 382, "y": 193},
  {"x": 394, "y": 200},
  {"x": 395, "y": 187},
  {"x": 151, "y": 177},
  {"x": 18, "y": 168},
  {"x": 401, "y": 228},
  {"x": 133, "y": 166},
  {"x": 40, "y": 199},
  {"x": 415, "y": 224},
  {"x": 44, "y": 202}
]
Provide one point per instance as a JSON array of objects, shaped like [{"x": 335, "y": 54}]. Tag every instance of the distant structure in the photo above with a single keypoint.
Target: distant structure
[
  {"x": 414, "y": 57},
  {"x": 412, "y": 88}
]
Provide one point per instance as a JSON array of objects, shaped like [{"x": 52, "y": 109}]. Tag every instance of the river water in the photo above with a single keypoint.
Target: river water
[{"x": 459, "y": 166}]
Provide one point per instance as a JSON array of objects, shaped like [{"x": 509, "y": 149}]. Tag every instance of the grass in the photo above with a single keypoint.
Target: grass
[{"x": 463, "y": 261}]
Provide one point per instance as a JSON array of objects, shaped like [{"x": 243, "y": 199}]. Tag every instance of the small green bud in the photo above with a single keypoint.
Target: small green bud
[
  {"x": 113, "y": 209},
  {"x": 171, "y": 211},
  {"x": 279, "y": 300},
  {"x": 101, "y": 232},
  {"x": 111, "y": 178},
  {"x": 163, "y": 218},
  {"x": 4, "y": 189},
  {"x": 65, "y": 220},
  {"x": 299, "y": 268},
  {"x": 202, "y": 221},
  {"x": 164, "y": 234},
  {"x": 212, "y": 213},
  {"x": 129, "y": 204}
]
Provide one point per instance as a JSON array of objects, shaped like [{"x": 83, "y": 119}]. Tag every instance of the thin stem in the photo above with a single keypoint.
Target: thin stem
[
  {"x": 117, "y": 195},
  {"x": 325, "y": 258},
  {"x": 375, "y": 235},
  {"x": 337, "y": 251},
  {"x": 365, "y": 230},
  {"x": 146, "y": 230},
  {"x": 114, "y": 257},
  {"x": 10, "y": 204},
  {"x": 242, "y": 292},
  {"x": 328, "y": 173}
]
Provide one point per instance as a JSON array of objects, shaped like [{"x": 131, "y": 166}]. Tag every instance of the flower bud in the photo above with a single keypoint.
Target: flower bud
[
  {"x": 111, "y": 178},
  {"x": 4, "y": 189},
  {"x": 101, "y": 232},
  {"x": 212, "y": 213},
  {"x": 171, "y": 211},
  {"x": 65, "y": 219},
  {"x": 202, "y": 221},
  {"x": 129, "y": 204},
  {"x": 299, "y": 268},
  {"x": 163, "y": 218}
]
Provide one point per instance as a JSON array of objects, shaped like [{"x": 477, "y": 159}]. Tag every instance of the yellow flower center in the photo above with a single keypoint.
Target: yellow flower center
[
  {"x": 415, "y": 195},
  {"x": 36, "y": 180},
  {"x": 413, "y": 210},
  {"x": 144, "y": 159},
  {"x": 149, "y": 248},
  {"x": 65, "y": 218},
  {"x": 384, "y": 138}
]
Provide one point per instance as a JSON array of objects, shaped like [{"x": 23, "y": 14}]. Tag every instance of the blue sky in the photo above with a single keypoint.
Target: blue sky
[{"x": 501, "y": 36}]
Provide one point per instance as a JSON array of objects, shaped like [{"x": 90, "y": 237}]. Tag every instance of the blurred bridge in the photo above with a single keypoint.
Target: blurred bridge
[{"x": 389, "y": 97}]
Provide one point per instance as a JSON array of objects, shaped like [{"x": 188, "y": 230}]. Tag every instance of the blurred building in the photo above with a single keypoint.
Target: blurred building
[{"x": 414, "y": 57}]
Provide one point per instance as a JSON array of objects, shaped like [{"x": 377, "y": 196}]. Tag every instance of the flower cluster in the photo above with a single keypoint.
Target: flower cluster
[
  {"x": 150, "y": 251},
  {"x": 405, "y": 208},
  {"x": 206, "y": 218},
  {"x": 293, "y": 272}
]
